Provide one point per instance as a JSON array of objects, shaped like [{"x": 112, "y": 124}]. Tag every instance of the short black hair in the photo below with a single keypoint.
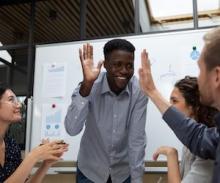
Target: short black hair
[{"x": 118, "y": 44}]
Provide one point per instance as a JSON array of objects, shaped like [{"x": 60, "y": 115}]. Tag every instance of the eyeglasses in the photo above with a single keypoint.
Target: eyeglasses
[{"x": 12, "y": 100}]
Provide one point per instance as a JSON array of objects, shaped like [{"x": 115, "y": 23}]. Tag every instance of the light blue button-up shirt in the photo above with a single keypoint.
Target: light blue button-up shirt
[{"x": 114, "y": 139}]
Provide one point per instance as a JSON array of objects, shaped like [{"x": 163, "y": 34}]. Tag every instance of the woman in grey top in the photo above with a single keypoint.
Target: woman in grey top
[{"x": 185, "y": 97}]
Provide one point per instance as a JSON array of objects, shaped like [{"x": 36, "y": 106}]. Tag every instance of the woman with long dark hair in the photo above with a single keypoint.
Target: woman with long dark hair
[
  {"x": 12, "y": 168},
  {"x": 185, "y": 97}
]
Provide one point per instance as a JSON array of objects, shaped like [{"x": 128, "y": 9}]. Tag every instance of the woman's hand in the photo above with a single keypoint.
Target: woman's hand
[
  {"x": 51, "y": 151},
  {"x": 165, "y": 150}
]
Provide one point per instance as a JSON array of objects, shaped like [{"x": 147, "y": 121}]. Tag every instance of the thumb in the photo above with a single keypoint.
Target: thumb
[
  {"x": 140, "y": 72},
  {"x": 99, "y": 65},
  {"x": 155, "y": 156}
]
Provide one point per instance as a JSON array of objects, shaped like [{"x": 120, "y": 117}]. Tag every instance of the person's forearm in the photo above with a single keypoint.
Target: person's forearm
[
  {"x": 161, "y": 103},
  {"x": 201, "y": 141},
  {"x": 173, "y": 169},
  {"x": 40, "y": 174},
  {"x": 23, "y": 171},
  {"x": 85, "y": 88}
]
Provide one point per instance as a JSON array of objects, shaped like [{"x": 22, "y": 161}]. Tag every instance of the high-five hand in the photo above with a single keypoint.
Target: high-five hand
[
  {"x": 146, "y": 80},
  {"x": 148, "y": 86},
  {"x": 90, "y": 72}
]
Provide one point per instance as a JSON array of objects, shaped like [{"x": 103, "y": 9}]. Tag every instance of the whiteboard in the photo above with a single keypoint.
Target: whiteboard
[{"x": 172, "y": 57}]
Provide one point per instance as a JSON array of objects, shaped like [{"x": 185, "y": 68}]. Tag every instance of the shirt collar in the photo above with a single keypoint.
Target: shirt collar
[{"x": 106, "y": 88}]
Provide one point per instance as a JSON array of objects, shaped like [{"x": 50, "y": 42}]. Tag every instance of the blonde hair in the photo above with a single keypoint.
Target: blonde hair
[{"x": 212, "y": 48}]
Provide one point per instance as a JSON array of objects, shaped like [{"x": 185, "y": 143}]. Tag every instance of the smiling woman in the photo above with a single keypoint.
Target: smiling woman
[
  {"x": 12, "y": 168},
  {"x": 11, "y": 109},
  {"x": 186, "y": 98},
  {"x": 18, "y": 130}
]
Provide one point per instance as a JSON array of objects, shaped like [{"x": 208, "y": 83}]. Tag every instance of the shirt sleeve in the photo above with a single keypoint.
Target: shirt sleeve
[
  {"x": 137, "y": 139},
  {"x": 76, "y": 113},
  {"x": 201, "y": 140}
]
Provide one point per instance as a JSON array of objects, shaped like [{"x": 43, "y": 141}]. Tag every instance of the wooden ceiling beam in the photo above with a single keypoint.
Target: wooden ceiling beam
[
  {"x": 106, "y": 18},
  {"x": 43, "y": 24},
  {"x": 68, "y": 19}
]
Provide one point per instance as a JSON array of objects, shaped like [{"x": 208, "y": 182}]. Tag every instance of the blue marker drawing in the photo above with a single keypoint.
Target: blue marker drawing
[
  {"x": 194, "y": 54},
  {"x": 53, "y": 121},
  {"x": 57, "y": 126},
  {"x": 48, "y": 127}
]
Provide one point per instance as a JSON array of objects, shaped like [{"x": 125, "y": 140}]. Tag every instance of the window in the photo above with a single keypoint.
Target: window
[
  {"x": 165, "y": 15},
  {"x": 209, "y": 12}
]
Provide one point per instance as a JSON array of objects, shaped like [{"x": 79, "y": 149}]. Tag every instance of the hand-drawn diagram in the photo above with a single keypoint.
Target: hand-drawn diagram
[{"x": 52, "y": 121}]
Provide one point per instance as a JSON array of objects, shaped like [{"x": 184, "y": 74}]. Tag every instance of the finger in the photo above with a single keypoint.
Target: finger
[
  {"x": 89, "y": 51},
  {"x": 143, "y": 58},
  {"x": 59, "y": 154},
  {"x": 60, "y": 141},
  {"x": 155, "y": 156},
  {"x": 53, "y": 158},
  {"x": 81, "y": 59},
  {"x": 145, "y": 62},
  {"x": 57, "y": 151},
  {"x": 49, "y": 146},
  {"x": 99, "y": 65},
  {"x": 58, "y": 146},
  {"x": 84, "y": 51},
  {"x": 140, "y": 72},
  {"x": 80, "y": 55},
  {"x": 141, "y": 77},
  {"x": 54, "y": 143}
]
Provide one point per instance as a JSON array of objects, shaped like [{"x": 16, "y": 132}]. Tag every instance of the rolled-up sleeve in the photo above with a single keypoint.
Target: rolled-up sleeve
[{"x": 76, "y": 114}]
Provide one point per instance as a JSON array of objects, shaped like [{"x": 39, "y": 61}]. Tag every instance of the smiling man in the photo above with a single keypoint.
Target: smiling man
[{"x": 113, "y": 109}]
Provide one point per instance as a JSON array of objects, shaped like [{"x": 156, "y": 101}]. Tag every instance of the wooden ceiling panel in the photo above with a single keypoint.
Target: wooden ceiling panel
[
  {"x": 59, "y": 20},
  {"x": 14, "y": 21},
  {"x": 111, "y": 17},
  {"x": 56, "y": 22}
]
